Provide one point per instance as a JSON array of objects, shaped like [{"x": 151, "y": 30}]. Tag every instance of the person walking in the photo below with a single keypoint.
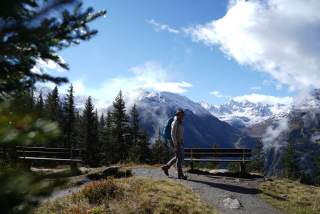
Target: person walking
[{"x": 177, "y": 131}]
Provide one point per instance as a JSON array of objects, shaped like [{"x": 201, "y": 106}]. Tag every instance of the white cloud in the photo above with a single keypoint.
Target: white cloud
[
  {"x": 217, "y": 94},
  {"x": 149, "y": 76},
  {"x": 279, "y": 37},
  {"x": 44, "y": 66},
  {"x": 265, "y": 99},
  {"x": 162, "y": 27}
]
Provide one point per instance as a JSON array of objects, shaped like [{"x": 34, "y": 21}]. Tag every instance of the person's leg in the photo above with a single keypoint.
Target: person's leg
[
  {"x": 179, "y": 162},
  {"x": 171, "y": 162},
  {"x": 167, "y": 166}
]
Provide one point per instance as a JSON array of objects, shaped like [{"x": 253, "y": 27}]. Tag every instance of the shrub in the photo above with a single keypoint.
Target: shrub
[{"x": 98, "y": 191}]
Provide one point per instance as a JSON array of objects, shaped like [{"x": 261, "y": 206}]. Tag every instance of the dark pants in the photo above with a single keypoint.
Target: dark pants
[{"x": 178, "y": 158}]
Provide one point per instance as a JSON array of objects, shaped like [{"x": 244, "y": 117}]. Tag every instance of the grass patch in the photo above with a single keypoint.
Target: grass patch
[
  {"x": 129, "y": 195},
  {"x": 291, "y": 196}
]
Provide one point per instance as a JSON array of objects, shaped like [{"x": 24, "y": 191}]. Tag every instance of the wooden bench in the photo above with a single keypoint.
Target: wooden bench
[
  {"x": 241, "y": 156},
  {"x": 31, "y": 155}
]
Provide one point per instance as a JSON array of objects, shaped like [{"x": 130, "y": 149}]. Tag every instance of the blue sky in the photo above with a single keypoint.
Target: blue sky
[{"x": 138, "y": 36}]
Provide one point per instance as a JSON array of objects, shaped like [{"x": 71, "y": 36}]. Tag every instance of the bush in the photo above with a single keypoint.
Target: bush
[{"x": 98, "y": 191}]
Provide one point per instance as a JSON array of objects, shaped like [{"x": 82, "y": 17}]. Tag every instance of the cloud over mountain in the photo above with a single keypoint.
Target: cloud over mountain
[
  {"x": 279, "y": 37},
  {"x": 151, "y": 76}
]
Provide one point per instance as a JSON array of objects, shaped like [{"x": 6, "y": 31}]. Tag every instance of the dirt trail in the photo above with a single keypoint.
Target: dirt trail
[{"x": 214, "y": 189}]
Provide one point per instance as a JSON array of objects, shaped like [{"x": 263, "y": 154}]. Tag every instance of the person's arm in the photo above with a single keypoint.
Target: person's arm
[{"x": 174, "y": 132}]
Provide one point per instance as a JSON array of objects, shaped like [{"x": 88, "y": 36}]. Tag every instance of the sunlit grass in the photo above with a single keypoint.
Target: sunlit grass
[
  {"x": 129, "y": 195},
  {"x": 292, "y": 197}
]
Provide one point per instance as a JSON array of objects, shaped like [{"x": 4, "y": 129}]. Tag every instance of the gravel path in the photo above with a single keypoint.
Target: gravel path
[{"x": 214, "y": 189}]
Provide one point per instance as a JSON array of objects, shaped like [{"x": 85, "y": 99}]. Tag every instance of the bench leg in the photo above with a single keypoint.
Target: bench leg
[
  {"x": 191, "y": 166},
  {"x": 74, "y": 168},
  {"x": 26, "y": 164},
  {"x": 242, "y": 169}
]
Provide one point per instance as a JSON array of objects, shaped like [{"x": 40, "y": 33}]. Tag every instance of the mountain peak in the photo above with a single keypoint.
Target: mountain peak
[
  {"x": 245, "y": 113},
  {"x": 172, "y": 100}
]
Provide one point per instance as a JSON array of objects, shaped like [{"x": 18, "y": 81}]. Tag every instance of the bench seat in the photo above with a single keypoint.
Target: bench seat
[
  {"x": 215, "y": 160},
  {"x": 50, "y": 159}
]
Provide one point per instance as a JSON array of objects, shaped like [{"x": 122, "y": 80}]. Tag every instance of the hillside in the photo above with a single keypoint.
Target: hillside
[{"x": 202, "y": 129}]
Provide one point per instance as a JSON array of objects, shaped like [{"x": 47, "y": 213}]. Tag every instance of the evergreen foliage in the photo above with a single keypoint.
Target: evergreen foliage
[
  {"x": 120, "y": 128},
  {"x": 40, "y": 105},
  {"x": 118, "y": 137},
  {"x": 33, "y": 31},
  {"x": 90, "y": 133},
  {"x": 160, "y": 150},
  {"x": 290, "y": 166},
  {"x": 107, "y": 142},
  {"x": 69, "y": 119},
  {"x": 258, "y": 158}
]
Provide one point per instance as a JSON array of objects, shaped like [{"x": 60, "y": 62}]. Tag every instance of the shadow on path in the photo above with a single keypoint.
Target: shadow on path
[
  {"x": 224, "y": 174},
  {"x": 229, "y": 187}
]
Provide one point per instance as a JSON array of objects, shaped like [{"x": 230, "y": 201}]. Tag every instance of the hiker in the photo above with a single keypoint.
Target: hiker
[{"x": 177, "y": 141}]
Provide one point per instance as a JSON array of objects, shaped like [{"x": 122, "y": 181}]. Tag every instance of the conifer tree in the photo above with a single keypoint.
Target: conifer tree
[
  {"x": 23, "y": 101},
  {"x": 53, "y": 105},
  {"x": 69, "y": 119},
  {"x": 290, "y": 166},
  {"x": 40, "y": 105},
  {"x": 78, "y": 140},
  {"x": 120, "y": 127},
  {"x": 107, "y": 141},
  {"x": 160, "y": 152},
  {"x": 135, "y": 128},
  {"x": 139, "y": 148},
  {"x": 35, "y": 30},
  {"x": 144, "y": 150},
  {"x": 102, "y": 122},
  {"x": 258, "y": 159},
  {"x": 134, "y": 147},
  {"x": 90, "y": 133},
  {"x": 54, "y": 113}
]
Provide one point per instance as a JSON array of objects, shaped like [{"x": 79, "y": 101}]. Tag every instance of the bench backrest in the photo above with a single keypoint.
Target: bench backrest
[
  {"x": 30, "y": 151},
  {"x": 216, "y": 153}
]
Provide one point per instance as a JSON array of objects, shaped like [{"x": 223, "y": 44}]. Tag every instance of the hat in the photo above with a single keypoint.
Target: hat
[{"x": 179, "y": 110}]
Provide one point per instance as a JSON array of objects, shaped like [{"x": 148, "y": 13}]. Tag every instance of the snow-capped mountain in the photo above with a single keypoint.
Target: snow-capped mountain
[
  {"x": 245, "y": 113},
  {"x": 202, "y": 129}
]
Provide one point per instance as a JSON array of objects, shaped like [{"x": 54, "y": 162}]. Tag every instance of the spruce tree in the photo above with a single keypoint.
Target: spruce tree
[
  {"x": 69, "y": 119},
  {"x": 23, "y": 101},
  {"x": 139, "y": 148},
  {"x": 40, "y": 105},
  {"x": 134, "y": 147},
  {"x": 120, "y": 127},
  {"x": 107, "y": 141},
  {"x": 54, "y": 113},
  {"x": 90, "y": 133},
  {"x": 102, "y": 122},
  {"x": 36, "y": 30},
  {"x": 290, "y": 166},
  {"x": 78, "y": 131},
  {"x": 144, "y": 150},
  {"x": 258, "y": 158},
  {"x": 53, "y": 105},
  {"x": 160, "y": 152},
  {"x": 135, "y": 128}
]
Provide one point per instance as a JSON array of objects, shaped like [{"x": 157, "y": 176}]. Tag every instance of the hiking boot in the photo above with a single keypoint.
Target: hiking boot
[
  {"x": 183, "y": 177},
  {"x": 165, "y": 169}
]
